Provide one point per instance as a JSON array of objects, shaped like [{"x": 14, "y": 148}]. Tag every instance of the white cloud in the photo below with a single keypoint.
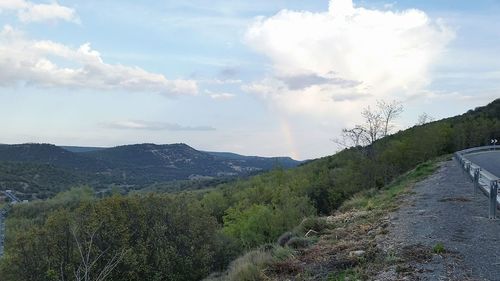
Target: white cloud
[
  {"x": 219, "y": 96},
  {"x": 47, "y": 12},
  {"x": 222, "y": 96},
  {"x": 31, "y": 12},
  {"x": 337, "y": 59},
  {"x": 51, "y": 64},
  {"x": 221, "y": 81},
  {"x": 153, "y": 126},
  {"x": 315, "y": 100},
  {"x": 12, "y": 4}
]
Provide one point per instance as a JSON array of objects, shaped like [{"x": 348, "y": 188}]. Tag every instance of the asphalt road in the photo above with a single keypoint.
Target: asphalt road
[{"x": 488, "y": 160}]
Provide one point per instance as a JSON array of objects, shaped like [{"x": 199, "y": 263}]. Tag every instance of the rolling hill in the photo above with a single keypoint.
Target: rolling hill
[
  {"x": 193, "y": 234},
  {"x": 131, "y": 166}
]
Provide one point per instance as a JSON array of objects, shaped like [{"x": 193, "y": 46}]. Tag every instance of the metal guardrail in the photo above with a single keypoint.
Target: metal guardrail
[
  {"x": 483, "y": 180},
  {"x": 3, "y": 213},
  {"x": 11, "y": 196}
]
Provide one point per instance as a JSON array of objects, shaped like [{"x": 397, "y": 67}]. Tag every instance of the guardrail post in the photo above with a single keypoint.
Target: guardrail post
[
  {"x": 493, "y": 199},
  {"x": 477, "y": 175}
]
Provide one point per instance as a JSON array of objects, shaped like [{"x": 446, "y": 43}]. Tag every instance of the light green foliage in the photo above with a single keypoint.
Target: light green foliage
[
  {"x": 252, "y": 226},
  {"x": 382, "y": 199},
  {"x": 188, "y": 235},
  {"x": 216, "y": 204},
  {"x": 75, "y": 194},
  {"x": 438, "y": 248},
  {"x": 282, "y": 253},
  {"x": 262, "y": 223}
]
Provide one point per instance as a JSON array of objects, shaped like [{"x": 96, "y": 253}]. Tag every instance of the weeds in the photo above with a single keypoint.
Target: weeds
[
  {"x": 317, "y": 224},
  {"x": 345, "y": 275},
  {"x": 326, "y": 255},
  {"x": 299, "y": 242},
  {"x": 438, "y": 248}
]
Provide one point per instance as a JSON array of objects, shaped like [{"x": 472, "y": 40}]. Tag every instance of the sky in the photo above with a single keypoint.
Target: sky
[{"x": 261, "y": 77}]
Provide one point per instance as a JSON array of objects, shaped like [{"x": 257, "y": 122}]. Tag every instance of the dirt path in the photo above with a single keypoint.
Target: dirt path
[{"x": 443, "y": 209}]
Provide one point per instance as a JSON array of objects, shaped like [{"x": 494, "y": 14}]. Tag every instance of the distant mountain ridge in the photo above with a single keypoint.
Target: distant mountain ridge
[
  {"x": 78, "y": 149},
  {"x": 133, "y": 165},
  {"x": 43, "y": 153}
]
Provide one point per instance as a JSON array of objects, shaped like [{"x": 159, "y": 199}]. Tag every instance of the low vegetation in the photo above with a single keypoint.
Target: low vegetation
[
  {"x": 345, "y": 247},
  {"x": 39, "y": 171},
  {"x": 186, "y": 236},
  {"x": 438, "y": 248}
]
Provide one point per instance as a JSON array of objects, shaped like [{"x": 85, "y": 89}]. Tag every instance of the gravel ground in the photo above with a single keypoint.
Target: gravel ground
[{"x": 443, "y": 209}]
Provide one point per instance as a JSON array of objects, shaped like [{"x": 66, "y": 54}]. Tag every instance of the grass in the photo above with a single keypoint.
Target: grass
[
  {"x": 248, "y": 267},
  {"x": 327, "y": 254},
  {"x": 438, "y": 248},
  {"x": 252, "y": 266},
  {"x": 384, "y": 199},
  {"x": 391, "y": 257},
  {"x": 300, "y": 242},
  {"x": 354, "y": 227},
  {"x": 348, "y": 274},
  {"x": 316, "y": 224}
]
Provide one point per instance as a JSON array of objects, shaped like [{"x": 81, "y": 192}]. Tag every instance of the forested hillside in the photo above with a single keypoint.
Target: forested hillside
[
  {"x": 40, "y": 180},
  {"x": 39, "y": 171},
  {"x": 188, "y": 235}
]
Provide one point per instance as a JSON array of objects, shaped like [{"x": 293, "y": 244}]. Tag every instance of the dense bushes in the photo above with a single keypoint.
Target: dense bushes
[
  {"x": 150, "y": 238},
  {"x": 186, "y": 236}
]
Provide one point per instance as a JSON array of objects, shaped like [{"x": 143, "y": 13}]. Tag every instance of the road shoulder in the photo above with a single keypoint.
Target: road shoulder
[{"x": 443, "y": 212}]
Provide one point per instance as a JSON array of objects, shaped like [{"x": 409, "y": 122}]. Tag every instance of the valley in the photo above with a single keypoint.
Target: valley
[{"x": 38, "y": 171}]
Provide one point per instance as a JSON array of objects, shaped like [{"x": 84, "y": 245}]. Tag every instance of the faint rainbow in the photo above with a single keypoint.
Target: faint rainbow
[{"x": 289, "y": 139}]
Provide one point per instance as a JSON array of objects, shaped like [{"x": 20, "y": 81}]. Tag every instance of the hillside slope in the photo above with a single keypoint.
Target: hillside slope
[
  {"x": 328, "y": 182},
  {"x": 188, "y": 235},
  {"x": 129, "y": 166},
  {"x": 49, "y": 154}
]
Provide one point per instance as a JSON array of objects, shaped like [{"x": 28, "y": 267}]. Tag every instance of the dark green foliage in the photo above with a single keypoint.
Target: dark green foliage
[
  {"x": 187, "y": 235},
  {"x": 49, "y": 154},
  {"x": 299, "y": 242},
  {"x": 33, "y": 180},
  {"x": 317, "y": 224},
  {"x": 266, "y": 163},
  {"x": 158, "y": 237},
  {"x": 42, "y": 170}
]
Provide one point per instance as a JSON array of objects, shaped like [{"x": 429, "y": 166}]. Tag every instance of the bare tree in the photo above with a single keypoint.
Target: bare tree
[
  {"x": 90, "y": 256},
  {"x": 374, "y": 124},
  {"x": 424, "y": 118},
  {"x": 377, "y": 124},
  {"x": 351, "y": 137},
  {"x": 389, "y": 111}
]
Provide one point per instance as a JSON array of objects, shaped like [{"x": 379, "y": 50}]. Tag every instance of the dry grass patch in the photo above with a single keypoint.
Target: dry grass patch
[{"x": 347, "y": 246}]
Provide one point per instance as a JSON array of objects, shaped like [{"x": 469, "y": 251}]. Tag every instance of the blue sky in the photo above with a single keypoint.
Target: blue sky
[{"x": 253, "y": 77}]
